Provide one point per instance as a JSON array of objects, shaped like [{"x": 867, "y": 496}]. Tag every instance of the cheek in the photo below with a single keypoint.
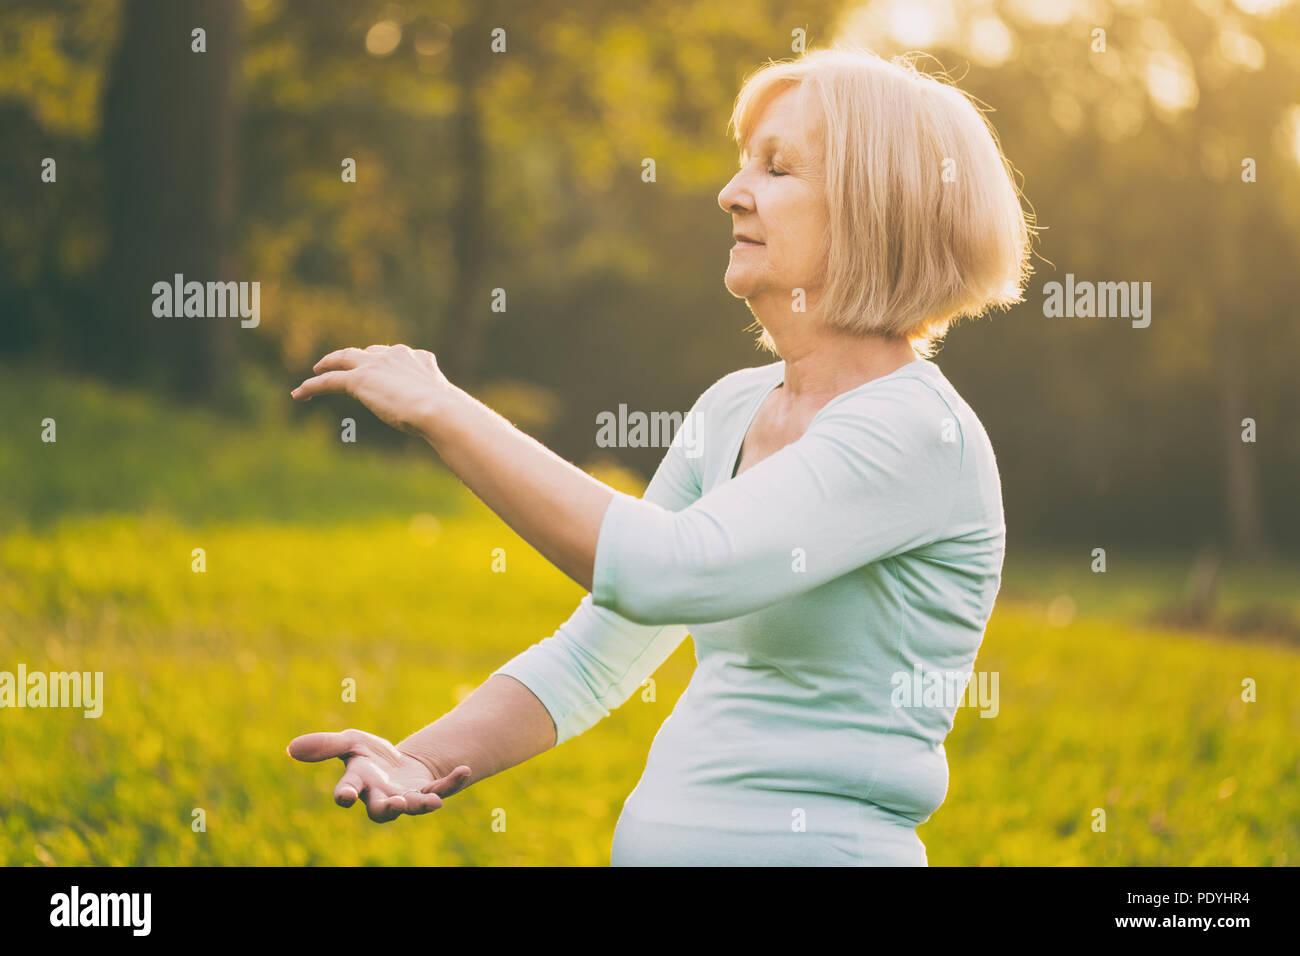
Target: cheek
[
  {"x": 812, "y": 238},
  {"x": 796, "y": 252},
  {"x": 812, "y": 221},
  {"x": 797, "y": 226}
]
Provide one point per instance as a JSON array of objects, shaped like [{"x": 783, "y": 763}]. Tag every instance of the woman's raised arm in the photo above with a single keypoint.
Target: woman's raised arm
[{"x": 552, "y": 504}]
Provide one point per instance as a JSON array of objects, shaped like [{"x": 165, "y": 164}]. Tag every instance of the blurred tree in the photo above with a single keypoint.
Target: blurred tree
[
  {"x": 169, "y": 146},
  {"x": 52, "y": 56},
  {"x": 468, "y": 218}
]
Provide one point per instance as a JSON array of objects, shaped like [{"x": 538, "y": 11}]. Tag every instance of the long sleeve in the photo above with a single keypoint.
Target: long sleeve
[
  {"x": 597, "y": 659},
  {"x": 874, "y": 475}
]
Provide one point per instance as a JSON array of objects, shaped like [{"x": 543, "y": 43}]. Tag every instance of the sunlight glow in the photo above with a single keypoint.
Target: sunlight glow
[
  {"x": 1241, "y": 50},
  {"x": 913, "y": 24},
  {"x": 1291, "y": 129},
  {"x": 1170, "y": 81},
  {"x": 990, "y": 41},
  {"x": 383, "y": 38},
  {"x": 1259, "y": 7},
  {"x": 1044, "y": 12}
]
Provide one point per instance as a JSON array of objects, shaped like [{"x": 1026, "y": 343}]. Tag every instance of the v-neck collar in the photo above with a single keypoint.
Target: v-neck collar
[{"x": 779, "y": 366}]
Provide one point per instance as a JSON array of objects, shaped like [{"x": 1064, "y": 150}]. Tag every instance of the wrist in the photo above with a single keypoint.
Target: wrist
[
  {"x": 436, "y": 765},
  {"x": 435, "y": 417}
]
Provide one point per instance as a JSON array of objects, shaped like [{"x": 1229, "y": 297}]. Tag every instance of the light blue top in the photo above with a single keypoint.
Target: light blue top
[{"x": 862, "y": 557}]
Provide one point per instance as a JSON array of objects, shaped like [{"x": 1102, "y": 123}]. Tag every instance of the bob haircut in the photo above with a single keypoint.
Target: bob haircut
[{"x": 926, "y": 225}]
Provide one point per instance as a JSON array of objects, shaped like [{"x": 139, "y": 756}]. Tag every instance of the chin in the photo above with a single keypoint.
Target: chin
[{"x": 739, "y": 285}]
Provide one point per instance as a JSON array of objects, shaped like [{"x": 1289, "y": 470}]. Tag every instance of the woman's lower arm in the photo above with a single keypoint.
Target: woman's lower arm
[
  {"x": 500, "y": 724},
  {"x": 552, "y": 504}
]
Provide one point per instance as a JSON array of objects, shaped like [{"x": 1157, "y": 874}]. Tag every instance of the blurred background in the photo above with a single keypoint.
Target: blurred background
[{"x": 1155, "y": 140}]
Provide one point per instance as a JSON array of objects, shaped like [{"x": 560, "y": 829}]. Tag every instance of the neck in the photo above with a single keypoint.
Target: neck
[{"x": 821, "y": 362}]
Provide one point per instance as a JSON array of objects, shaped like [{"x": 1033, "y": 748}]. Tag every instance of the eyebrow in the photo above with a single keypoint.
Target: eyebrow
[{"x": 775, "y": 143}]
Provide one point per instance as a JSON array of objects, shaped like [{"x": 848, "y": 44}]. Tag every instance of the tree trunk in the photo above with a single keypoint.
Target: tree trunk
[
  {"x": 462, "y": 326},
  {"x": 1246, "y": 537},
  {"x": 169, "y": 145}
]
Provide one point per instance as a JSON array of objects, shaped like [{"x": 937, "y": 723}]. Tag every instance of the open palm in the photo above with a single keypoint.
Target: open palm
[{"x": 388, "y": 781}]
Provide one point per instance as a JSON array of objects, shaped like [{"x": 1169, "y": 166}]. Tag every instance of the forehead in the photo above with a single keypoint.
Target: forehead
[{"x": 784, "y": 123}]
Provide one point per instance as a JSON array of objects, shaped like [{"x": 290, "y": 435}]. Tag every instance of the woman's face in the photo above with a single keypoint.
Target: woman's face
[{"x": 778, "y": 199}]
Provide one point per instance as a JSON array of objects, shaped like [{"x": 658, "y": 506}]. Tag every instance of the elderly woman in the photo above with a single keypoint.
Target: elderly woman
[{"x": 842, "y": 529}]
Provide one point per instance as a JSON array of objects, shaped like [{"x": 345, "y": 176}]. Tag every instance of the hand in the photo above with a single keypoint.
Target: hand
[
  {"x": 399, "y": 384},
  {"x": 388, "y": 781}
]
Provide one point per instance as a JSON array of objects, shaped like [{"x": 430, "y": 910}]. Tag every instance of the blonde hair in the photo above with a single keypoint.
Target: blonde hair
[{"x": 926, "y": 225}]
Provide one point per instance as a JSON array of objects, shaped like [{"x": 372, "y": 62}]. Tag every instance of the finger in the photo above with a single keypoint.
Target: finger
[
  {"x": 311, "y": 748},
  {"x": 321, "y": 385},
  {"x": 378, "y": 348},
  {"x": 377, "y": 789},
  {"x": 340, "y": 360},
  {"x": 349, "y": 788},
  {"x": 420, "y": 803},
  {"x": 382, "y": 809},
  {"x": 449, "y": 784}
]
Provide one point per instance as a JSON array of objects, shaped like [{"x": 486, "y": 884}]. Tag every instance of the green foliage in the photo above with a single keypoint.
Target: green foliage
[
  {"x": 125, "y": 451},
  {"x": 1148, "y": 585},
  {"x": 1148, "y": 726}
]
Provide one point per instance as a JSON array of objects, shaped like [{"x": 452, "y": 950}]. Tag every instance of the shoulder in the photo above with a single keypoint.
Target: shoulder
[
  {"x": 912, "y": 412},
  {"x": 914, "y": 395}
]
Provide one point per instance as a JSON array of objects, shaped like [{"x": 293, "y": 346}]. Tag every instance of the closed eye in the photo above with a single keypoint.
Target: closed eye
[{"x": 772, "y": 170}]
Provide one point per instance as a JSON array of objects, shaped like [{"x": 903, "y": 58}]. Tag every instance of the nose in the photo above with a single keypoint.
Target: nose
[{"x": 734, "y": 197}]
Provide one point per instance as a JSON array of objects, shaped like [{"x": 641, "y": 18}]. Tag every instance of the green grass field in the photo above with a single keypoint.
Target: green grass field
[{"x": 327, "y": 561}]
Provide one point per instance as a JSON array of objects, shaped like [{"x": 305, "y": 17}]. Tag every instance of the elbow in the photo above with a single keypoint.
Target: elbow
[
  {"x": 667, "y": 570},
  {"x": 662, "y": 602},
  {"x": 644, "y": 608}
]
